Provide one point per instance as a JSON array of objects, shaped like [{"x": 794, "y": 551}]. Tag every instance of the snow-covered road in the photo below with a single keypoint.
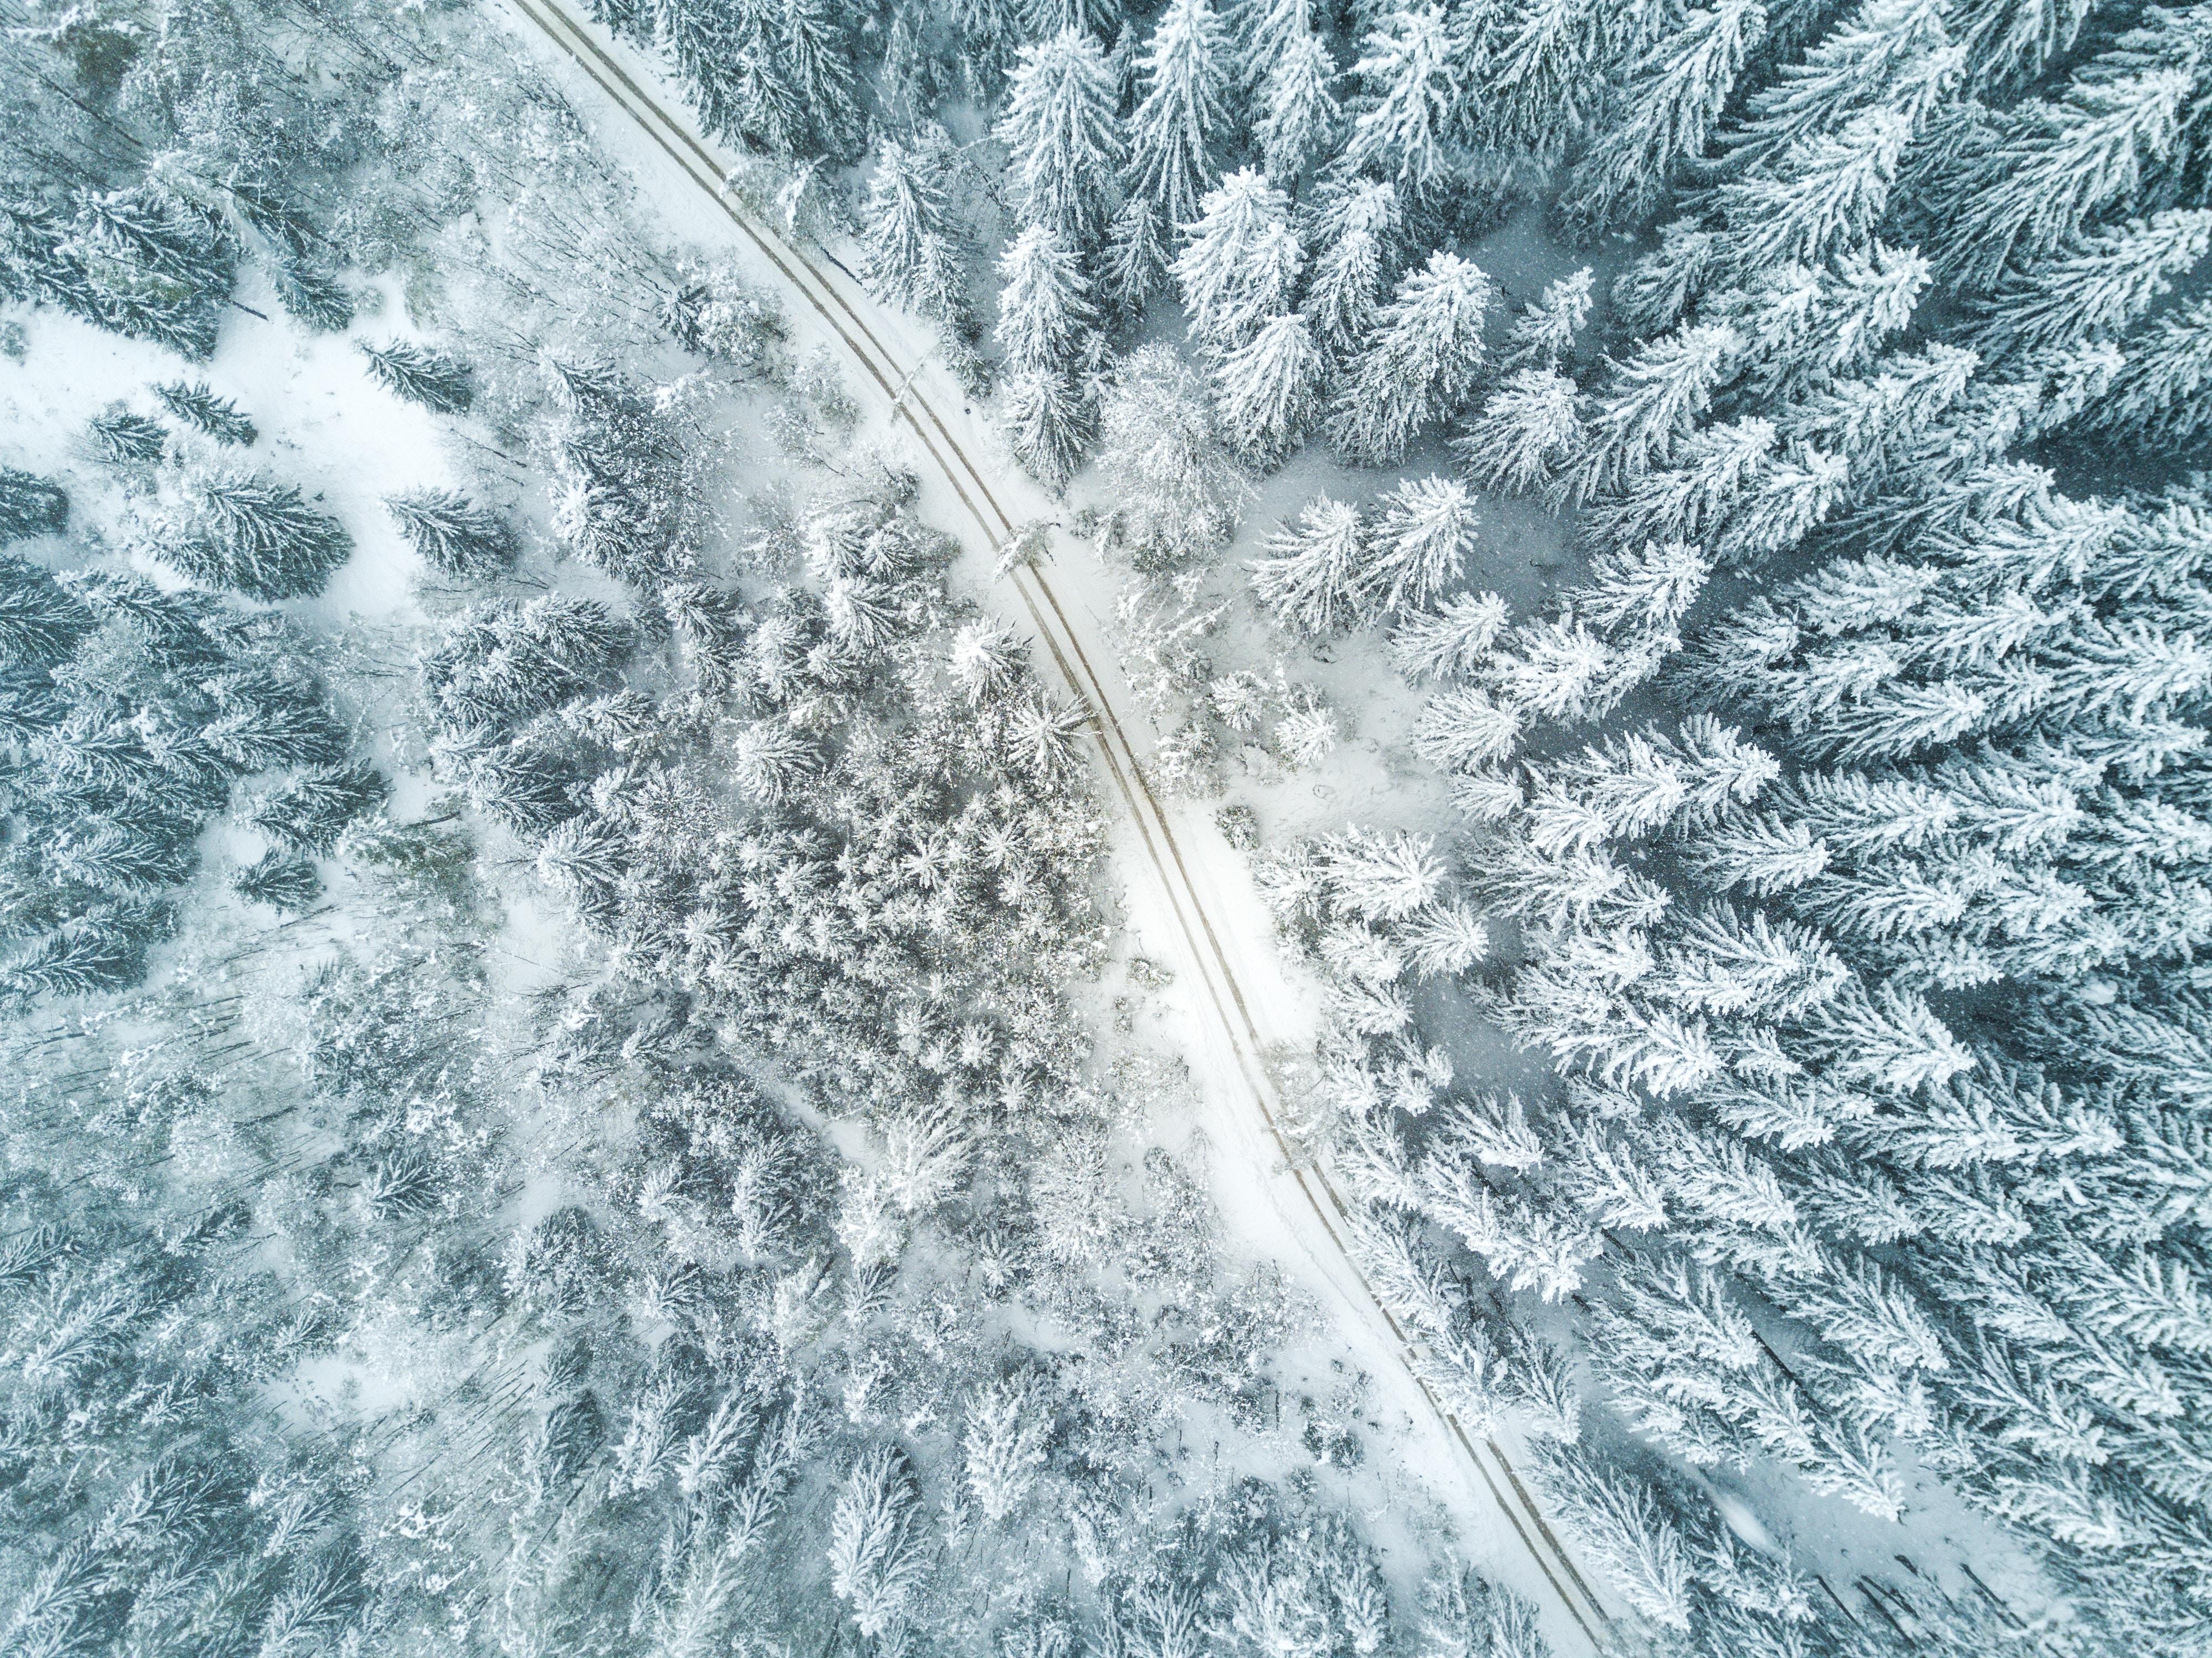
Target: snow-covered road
[{"x": 1191, "y": 900}]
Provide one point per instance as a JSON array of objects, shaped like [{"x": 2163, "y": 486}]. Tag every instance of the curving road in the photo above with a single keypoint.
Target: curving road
[{"x": 1216, "y": 929}]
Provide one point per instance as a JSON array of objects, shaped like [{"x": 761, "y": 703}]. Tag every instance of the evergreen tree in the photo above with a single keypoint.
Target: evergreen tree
[
  {"x": 2015, "y": 188},
  {"x": 1241, "y": 262},
  {"x": 1418, "y": 545},
  {"x": 1354, "y": 240},
  {"x": 1182, "y": 118},
  {"x": 30, "y": 506},
  {"x": 1667, "y": 105},
  {"x": 1648, "y": 406},
  {"x": 2095, "y": 291},
  {"x": 2157, "y": 398},
  {"x": 1299, "y": 118},
  {"x": 1046, "y": 420},
  {"x": 1269, "y": 389},
  {"x": 253, "y": 537},
  {"x": 451, "y": 534},
  {"x": 122, "y": 436},
  {"x": 908, "y": 240},
  {"x": 1063, "y": 143},
  {"x": 1544, "y": 331},
  {"x": 1178, "y": 496},
  {"x": 1819, "y": 198},
  {"x": 1895, "y": 55},
  {"x": 1311, "y": 576},
  {"x": 1409, "y": 87},
  {"x": 198, "y": 407},
  {"x": 1530, "y": 427},
  {"x": 1136, "y": 259},
  {"x": 1043, "y": 315},
  {"x": 1418, "y": 365},
  {"x": 284, "y": 881},
  {"x": 420, "y": 374}
]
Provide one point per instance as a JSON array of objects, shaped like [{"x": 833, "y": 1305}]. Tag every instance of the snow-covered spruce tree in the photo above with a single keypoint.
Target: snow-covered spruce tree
[
  {"x": 1240, "y": 262},
  {"x": 1183, "y": 117},
  {"x": 625, "y": 469},
  {"x": 249, "y": 535},
  {"x": 1353, "y": 239},
  {"x": 1063, "y": 143},
  {"x": 122, "y": 436},
  {"x": 421, "y": 374},
  {"x": 908, "y": 237},
  {"x": 195, "y": 403},
  {"x": 30, "y": 506},
  {"x": 1662, "y": 114},
  {"x": 1299, "y": 118},
  {"x": 451, "y": 534},
  {"x": 1269, "y": 389},
  {"x": 1310, "y": 577},
  {"x": 1419, "y": 363},
  {"x": 1044, "y": 315},
  {"x": 1403, "y": 112},
  {"x": 1529, "y": 428},
  {"x": 139, "y": 261},
  {"x": 1416, "y": 547}
]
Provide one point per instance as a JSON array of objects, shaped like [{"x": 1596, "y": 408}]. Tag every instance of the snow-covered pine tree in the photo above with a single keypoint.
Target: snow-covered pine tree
[
  {"x": 1891, "y": 55},
  {"x": 908, "y": 243},
  {"x": 1417, "y": 365},
  {"x": 1544, "y": 331},
  {"x": 1663, "y": 114},
  {"x": 123, "y": 436},
  {"x": 1047, "y": 421},
  {"x": 2158, "y": 396},
  {"x": 1183, "y": 116},
  {"x": 1816, "y": 198},
  {"x": 1408, "y": 86},
  {"x": 1354, "y": 238},
  {"x": 1268, "y": 389},
  {"x": 2096, "y": 290},
  {"x": 1416, "y": 546},
  {"x": 1299, "y": 118},
  {"x": 440, "y": 383},
  {"x": 253, "y": 537},
  {"x": 1240, "y": 262},
  {"x": 451, "y": 534},
  {"x": 1044, "y": 314},
  {"x": 1529, "y": 428},
  {"x": 195, "y": 403},
  {"x": 1064, "y": 146},
  {"x": 1648, "y": 404},
  {"x": 30, "y": 506},
  {"x": 1310, "y": 577}
]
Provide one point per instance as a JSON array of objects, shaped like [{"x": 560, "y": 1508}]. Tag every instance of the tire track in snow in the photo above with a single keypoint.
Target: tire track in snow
[{"x": 1076, "y": 671}]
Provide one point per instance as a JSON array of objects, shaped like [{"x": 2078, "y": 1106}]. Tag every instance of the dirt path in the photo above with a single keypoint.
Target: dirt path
[{"x": 1194, "y": 894}]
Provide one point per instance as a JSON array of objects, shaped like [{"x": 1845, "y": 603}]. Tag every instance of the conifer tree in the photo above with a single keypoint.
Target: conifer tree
[
  {"x": 440, "y": 383},
  {"x": 1241, "y": 262},
  {"x": 2158, "y": 396},
  {"x": 1648, "y": 406},
  {"x": 1136, "y": 259},
  {"x": 1354, "y": 240},
  {"x": 1418, "y": 545},
  {"x": 253, "y": 537},
  {"x": 1063, "y": 143},
  {"x": 1310, "y": 577},
  {"x": 195, "y": 404},
  {"x": 1047, "y": 421},
  {"x": 1667, "y": 105},
  {"x": 1043, "y": 315},
  {"x": 1818, "y": 197},
  {"x": 1891, "y": 55},
  {"x": 2096, "y": 290},
  {"x": 908, "y": 241},
  {"x": 1409, "y": 87},
  {"x": 1544, "y": 331},
  {"x": 30, "y": 506},
  {"x": 451, "y": 534},
  {"x": 121, "y": 435},
  {"x": 1268, "y": 389},
  {"x": 1530, "y": 427},
  {"x": 1419, "y": 363},
  {"x": 1183, "y": 117},
  {"x": 1299, "y": 118}
]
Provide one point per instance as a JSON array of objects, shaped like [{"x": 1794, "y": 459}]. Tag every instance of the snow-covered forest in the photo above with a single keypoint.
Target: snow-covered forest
[{"x": 1105, "y": 829}]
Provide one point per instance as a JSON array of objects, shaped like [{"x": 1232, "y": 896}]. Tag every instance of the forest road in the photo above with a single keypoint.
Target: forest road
[{"x": 1239, "y": 990}]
